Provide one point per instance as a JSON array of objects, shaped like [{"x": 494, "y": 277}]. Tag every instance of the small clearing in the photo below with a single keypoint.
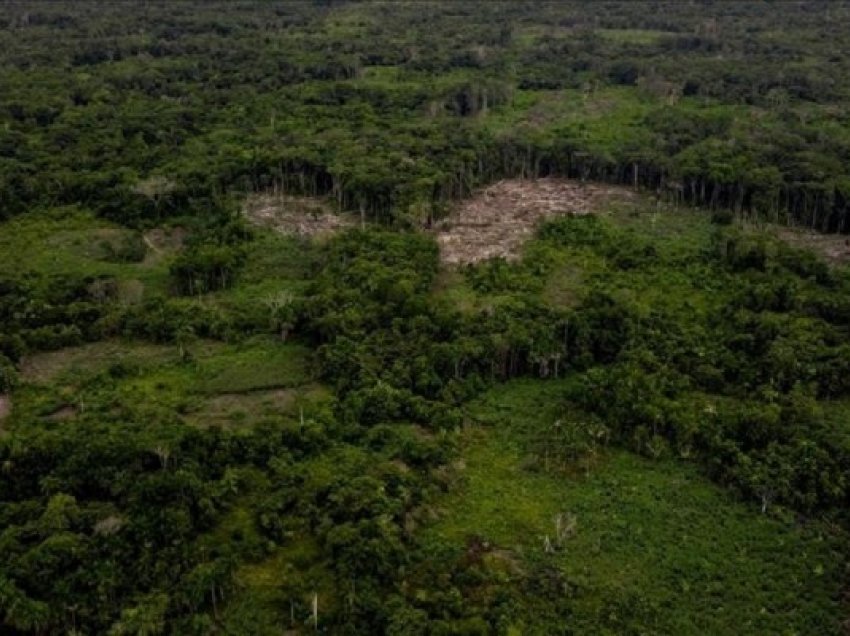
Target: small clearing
[
  {"x": 497, "y": 220},
  {"x": 231, "y": 410},
  {"x": 299, "y": 216},
  {"x": 834, "y": 248},
  {"x": 494, "y": 222},
  {"x": 162, "y": 243},
  {"x": 93, "y": 357},
  {"x": 64, "y": 412},
  {"x": 87, "y": 243},
  {"x": 5, "y": 406}
]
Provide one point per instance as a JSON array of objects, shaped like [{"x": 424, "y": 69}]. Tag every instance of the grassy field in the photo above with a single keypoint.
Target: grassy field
[
  {"x": 602, "y": 118},
  {"x": 68, "y": 241},
  {"x": 654, "y": 541},
  {"x": 226, "y": 385}
]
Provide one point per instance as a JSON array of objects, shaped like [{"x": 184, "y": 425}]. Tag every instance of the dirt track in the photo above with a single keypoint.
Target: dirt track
[{"x": 498, "y": 219}]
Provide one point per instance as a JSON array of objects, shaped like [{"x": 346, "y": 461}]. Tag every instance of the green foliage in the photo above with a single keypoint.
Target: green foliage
[
  {"x": 130, "y": 248},
  {"x": 206, "y": 268},
  {"x": 402, "y": 113},
  {"x": 197, "y": 478},
  {"x": 8, "y": 375},
  {"x": 648, "y": 545}
]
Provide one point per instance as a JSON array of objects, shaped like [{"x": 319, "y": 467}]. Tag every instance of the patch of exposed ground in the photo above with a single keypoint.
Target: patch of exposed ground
[
  {"x": 65, "y": 412},
  {"x": 49, "y": 365},
  {"x": 498, "y": 219},
  {"x": 299, "y": 216},
  {"x": 5, "y": 406},
  {"x": 97, "y": 356},
  {"x": 163, "y": 242},
  {"x": 234, "y": 409},
  {"x": 230, "y": 409},
  {"x": 91, "y": 243},
  {"x": 833, "y": 248}
]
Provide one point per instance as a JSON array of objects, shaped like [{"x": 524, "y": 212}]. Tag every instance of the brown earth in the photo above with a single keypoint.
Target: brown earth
[
  {"x": 47, "y": 366},
  {"x": 498, "y": 219},
  {"x": 494, "y": 222},
  {"x": 299, "y": 216},
  {"x": 65, "y": 412},
  {"x": 234, "y": 409},
  {"x": 162, "y": 243},
  {"x": 5, "y": 406},
  {"x": 834, "y": 248}
]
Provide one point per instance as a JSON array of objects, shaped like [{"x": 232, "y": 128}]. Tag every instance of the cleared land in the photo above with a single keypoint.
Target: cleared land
[
  {"x": 497, "y": 220},
  {"x": 833, "y": 248},
  {"x": 299, "y": 216},
  {"x": 493, "y": 223},
  {"x": 50, "y": 365},
  {"x": 163, "y": 243}
]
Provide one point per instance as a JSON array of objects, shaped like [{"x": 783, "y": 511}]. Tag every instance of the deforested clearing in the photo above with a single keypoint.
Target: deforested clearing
[
  {"x": 833, "y": 248},
  {"x": 498, "y": 219},
  {"x": 162, "y": 243},
  {"x": 294, "y": 215}
]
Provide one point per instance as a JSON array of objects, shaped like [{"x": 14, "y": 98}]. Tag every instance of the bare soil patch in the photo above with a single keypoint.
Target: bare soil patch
[
  {"x": 73, "y": 362},
  {"x": 299, "y": 216},
  {"x": 65, "y": 412},
  {"x": 498, "y": 219},
  {"x": 162, "y": 242},
  {"x": 92, "y": 357},
  {"x": 833, "y": 248},
  {"x": 230, "y": 409},
  {"x": 246, "y": 408}
]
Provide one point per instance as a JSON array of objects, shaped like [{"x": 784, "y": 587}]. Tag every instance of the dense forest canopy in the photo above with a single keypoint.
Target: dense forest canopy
[
  {"x": 143, "y": 112},
  {"x": 639, "y": 425}
]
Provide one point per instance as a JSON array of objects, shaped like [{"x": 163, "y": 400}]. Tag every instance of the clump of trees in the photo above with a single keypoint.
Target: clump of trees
[{"x": 206, "y": 268}]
